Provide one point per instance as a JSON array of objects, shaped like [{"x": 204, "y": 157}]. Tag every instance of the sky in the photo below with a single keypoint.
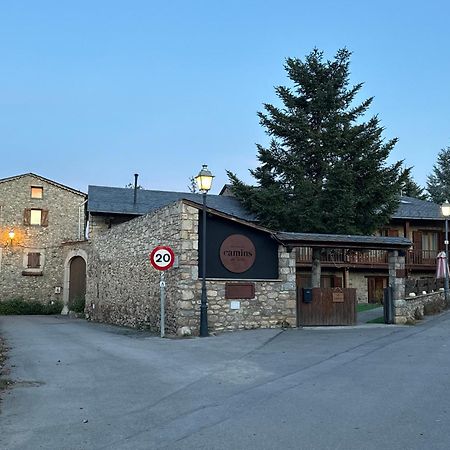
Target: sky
[{"x": 92, "y": 92}]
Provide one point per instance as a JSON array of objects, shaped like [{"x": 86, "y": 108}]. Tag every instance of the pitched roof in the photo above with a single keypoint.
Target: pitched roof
[
  {"x": 46, "y": 180},
  {"x": 112, "y": 200},
  {"x": 413, "y": 208}
]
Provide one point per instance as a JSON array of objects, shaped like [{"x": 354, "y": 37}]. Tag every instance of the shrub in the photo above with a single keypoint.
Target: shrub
[
  {"x": 20, "y": 306},
  {"x": 77, "y": 304}
]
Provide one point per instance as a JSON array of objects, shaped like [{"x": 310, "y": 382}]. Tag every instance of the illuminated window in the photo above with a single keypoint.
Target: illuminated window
[
  {"x": 37, "y": 192},
  {"x": 35, "y": 217}
]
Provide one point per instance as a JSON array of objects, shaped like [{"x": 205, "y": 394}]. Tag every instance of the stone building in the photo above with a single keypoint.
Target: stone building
[
  {"x": 40, "y": 220},
  {"x": 250, "y": 271},
  {"x": 123, "y": 288}
]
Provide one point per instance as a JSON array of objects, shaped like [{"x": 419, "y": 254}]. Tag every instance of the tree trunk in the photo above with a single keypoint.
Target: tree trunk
[{"x": 316, "y": 269}]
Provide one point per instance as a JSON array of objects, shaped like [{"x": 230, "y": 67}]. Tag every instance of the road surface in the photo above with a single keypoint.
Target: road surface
[{"x": 83, "y": 385}]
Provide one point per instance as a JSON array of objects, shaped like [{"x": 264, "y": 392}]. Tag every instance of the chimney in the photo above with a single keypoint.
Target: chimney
[{"x": 135, "y": 187}]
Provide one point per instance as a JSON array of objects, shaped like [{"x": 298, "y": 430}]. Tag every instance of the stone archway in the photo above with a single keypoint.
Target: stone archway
[{"x": 75, "y": 268}]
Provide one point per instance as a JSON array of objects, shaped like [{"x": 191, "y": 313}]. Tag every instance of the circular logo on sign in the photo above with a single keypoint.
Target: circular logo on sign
[{"x": 237, "y": 253}]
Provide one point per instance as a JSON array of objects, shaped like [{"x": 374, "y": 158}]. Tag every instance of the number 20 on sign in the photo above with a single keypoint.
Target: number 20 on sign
[{"x": 162, "y": 258}]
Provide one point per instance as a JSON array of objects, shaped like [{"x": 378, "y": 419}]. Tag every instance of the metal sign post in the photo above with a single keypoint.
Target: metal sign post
[
  {"x": 162, "y": 258},
  {"x": 162, "y": 285}
]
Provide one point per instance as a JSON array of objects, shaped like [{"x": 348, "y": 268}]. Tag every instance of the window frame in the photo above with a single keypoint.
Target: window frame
[
  {"x": 41, "y": 188},
  {"x": 36, "y": 223},
  {"x": 33, "y": 271}
]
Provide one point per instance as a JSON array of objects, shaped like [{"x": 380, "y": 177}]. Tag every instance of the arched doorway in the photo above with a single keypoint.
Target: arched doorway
[
  {"x": 77, "y": 283},
  {"x": 74, "y": 281}
]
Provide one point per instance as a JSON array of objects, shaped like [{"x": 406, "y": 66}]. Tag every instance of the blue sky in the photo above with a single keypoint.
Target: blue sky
[{"x": 92, "y": 92}]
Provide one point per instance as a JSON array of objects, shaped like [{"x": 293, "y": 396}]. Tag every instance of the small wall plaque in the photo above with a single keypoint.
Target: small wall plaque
[
  {"x": 235, "y": 304},
  {"x": 239, "y": 290},
  {"x": 338, "y": 297}
]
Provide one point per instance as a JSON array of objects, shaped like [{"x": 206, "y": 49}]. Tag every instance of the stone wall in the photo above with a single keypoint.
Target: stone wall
[
  {"x": 63, "y": 205},
  {"x": 122, "y": 288},
  {"x": 410, "y": 308}
]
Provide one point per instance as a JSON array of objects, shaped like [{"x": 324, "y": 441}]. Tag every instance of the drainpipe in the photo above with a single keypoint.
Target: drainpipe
[{"x": 80, "y": 206}]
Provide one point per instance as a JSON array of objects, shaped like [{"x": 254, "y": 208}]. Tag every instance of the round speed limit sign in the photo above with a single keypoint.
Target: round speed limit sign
[{"x": 162, "y": 258}]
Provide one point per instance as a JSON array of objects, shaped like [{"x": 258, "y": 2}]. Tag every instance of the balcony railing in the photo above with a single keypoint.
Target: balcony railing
[{"x": 367, "y": 257}]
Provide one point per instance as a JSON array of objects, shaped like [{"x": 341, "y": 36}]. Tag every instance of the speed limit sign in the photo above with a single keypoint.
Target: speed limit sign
[{"x": 162, "y": 257}]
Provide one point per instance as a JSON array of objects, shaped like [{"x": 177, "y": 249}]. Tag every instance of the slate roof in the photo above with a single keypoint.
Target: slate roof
[
  {"x": 112, "y": 200},
  {"x": 343, "y": 240},
  {"x": 413, "y": 208}
]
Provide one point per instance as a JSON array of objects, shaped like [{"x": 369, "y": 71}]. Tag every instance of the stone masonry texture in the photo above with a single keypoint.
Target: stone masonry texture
[
  {"x": 123, "y": 288},
  {"x": 63, "y": 206}
]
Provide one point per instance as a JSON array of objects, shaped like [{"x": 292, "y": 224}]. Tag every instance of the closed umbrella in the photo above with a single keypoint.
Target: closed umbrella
[{"x": 440, "y": 266}]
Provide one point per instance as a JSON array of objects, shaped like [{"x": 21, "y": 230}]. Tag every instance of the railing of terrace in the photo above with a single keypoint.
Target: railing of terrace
[{"x": 368, "y": 257}]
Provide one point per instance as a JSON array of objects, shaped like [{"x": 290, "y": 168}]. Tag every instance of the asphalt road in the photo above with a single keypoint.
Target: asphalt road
[{"x": 89, "y": 386}]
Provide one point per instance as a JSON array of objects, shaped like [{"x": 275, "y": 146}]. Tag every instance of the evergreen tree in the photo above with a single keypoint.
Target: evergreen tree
[
  {"x": 411, "y": 189},
  {"x": 325, "y": 168},
  {"x": 438, "y": 183}
]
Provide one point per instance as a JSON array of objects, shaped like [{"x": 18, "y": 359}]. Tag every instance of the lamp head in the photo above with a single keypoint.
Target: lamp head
[
  {"x": 204, "y": 179},
  {"x": 445, "y": 208}
]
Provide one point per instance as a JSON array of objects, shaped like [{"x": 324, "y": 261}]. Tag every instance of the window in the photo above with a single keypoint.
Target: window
[
  {"x": 35, "y": 217},
  {"x": 34, "y": 260},
  {"x": 37, "y": 192},
  {"x": 429, "y": 241}
]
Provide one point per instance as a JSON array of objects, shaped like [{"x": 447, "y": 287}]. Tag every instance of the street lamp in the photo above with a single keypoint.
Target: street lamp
[
  {"x": 445, "y": 209},
  {"x": 204, "y": 182}
]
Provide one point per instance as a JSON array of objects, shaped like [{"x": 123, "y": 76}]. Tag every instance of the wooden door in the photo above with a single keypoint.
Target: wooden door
[
  {"x": 77, "y": 278},
  {"x": 375, "y": 288}
]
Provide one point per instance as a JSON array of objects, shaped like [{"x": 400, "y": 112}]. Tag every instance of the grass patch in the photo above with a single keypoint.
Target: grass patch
[
  {"x": 377, "y": 320},
  {"x": 23, "y": 307},
  {"x": 360, "y": 307}
]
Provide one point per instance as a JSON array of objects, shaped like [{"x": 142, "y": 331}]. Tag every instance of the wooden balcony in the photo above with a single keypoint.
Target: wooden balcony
[{"x": 415, "y": 259}]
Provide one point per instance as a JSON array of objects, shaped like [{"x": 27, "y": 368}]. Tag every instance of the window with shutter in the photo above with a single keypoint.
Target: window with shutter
[{"x": 34, "y": 260}]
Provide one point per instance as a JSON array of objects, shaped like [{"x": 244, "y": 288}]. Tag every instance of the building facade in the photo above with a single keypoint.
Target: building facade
[
  {"x": 123, "y": 288},
  {"x": 417, "y": 220},
  {"x": 38, "y": 218}
]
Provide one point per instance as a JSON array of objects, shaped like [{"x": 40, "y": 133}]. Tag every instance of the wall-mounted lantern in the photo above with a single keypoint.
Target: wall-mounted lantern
[{"x": 11, "y": 235}]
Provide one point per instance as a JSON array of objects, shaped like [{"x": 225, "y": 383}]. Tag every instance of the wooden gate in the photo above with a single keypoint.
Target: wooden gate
[{"x": 327, "y": 306}]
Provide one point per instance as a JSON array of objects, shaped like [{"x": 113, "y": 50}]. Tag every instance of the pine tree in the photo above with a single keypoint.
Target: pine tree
[
  {"x": 411, "y": 189},
  {"x": 438, "y": 183},
  {"x": 325, "y": 168}
]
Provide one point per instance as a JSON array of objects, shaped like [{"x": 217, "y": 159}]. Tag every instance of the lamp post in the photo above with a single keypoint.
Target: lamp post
[
  {"x": 445, "y": 209},
  {"x": 204, "y": 182}
]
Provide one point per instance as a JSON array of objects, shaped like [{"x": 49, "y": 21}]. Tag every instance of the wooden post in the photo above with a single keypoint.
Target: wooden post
[{"x": 316, "y": 268}]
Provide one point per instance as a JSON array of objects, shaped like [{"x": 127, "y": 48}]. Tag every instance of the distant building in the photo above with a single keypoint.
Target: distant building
[
  {"x": 39, "y": 218},
  {"x": 417, "y": 220}
]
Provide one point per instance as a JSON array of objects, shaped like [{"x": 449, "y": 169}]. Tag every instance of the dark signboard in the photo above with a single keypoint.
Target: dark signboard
[{"x": 236, "y": 251}]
